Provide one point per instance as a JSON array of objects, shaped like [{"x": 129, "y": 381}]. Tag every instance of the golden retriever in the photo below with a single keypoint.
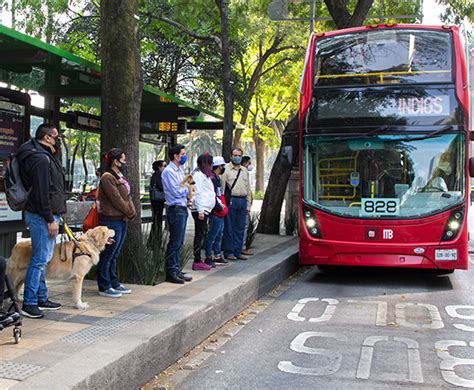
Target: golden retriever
[{"x": 70, "y": 260}]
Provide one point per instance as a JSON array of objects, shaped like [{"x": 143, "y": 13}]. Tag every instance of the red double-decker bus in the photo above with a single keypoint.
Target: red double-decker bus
[{"x": 385, "y": 143}]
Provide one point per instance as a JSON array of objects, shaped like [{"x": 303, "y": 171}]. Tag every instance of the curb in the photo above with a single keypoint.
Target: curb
[{"x": 133, "y": 357}]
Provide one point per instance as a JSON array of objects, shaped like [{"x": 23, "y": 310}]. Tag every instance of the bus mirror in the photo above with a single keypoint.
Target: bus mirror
[
  {"x": 287, "y": 153},
  {"x": 471, "y": 167}
]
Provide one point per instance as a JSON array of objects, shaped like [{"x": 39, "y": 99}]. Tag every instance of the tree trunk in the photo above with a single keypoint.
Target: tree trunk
[
  {"x": 71, "y": 172},
  {"x": 223, "y": 6},
  {"x": 122, "y": 88},
  {"x": 84, "y": 165},
  {"x": 341, "y": 16},
  {"x": 260, "y": 164},
  {"x": 269, "y": 222}
]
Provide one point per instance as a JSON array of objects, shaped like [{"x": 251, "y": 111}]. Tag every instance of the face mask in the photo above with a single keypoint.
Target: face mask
[
  {"x": 123, "y": 167},
  {"x": 57, "y": 142},
  {"x": 183, "y": 160},
  {"x": 250, "y": 168},
  {"x": 222, "y": 171},
  {"x": 236, "y": 160}
]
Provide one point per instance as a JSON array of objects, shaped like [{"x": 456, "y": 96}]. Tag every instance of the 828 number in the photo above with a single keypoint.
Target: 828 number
[{"x": 380, "y": 206}]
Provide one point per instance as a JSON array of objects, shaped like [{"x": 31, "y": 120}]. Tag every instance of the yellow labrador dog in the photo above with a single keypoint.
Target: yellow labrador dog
[{"x": 70, "y": 260}]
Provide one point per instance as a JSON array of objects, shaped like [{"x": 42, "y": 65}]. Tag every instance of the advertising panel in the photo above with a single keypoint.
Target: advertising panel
[{"x": 14, "y": 117}]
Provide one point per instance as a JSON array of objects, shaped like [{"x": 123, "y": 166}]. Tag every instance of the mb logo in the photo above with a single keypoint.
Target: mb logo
[{"x": 387, "y": 234}]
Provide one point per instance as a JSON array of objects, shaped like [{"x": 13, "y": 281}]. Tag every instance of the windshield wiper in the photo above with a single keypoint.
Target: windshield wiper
[{"x": 429, "y": 135}]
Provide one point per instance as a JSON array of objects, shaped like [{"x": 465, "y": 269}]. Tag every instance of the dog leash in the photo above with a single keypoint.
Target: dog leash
[{"x": 74, "y": 240}]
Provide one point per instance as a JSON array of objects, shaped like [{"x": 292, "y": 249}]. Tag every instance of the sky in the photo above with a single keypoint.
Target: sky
[{"x": 431, "y": 12}]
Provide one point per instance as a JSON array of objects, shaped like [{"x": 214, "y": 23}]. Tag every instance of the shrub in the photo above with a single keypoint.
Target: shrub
[{"x": 252, "y": 230}]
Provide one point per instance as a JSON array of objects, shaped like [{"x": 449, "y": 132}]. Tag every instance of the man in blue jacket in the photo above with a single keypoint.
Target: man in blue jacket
[{"x": 42, "y": 172}]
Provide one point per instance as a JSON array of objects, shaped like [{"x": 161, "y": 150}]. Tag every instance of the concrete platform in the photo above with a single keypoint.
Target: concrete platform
[{"x": 122, "y": 343}]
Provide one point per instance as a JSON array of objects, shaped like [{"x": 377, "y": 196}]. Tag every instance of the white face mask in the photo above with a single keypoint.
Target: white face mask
[{"x": 250, "y": 168}]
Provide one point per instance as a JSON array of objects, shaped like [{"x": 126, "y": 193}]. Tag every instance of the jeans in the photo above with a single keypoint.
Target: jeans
[
  {"x": 107, "y": 276},
  {"x": 42, "y": 252},
  {"x": 234, "y": 227},
  {"x": 177, "y": 218},
  {"x": 214, "y": 236},
  {"x": 199, "y": 233}
]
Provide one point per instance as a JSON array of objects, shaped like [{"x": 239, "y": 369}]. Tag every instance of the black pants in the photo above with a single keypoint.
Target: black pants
[
  {"x": 157, "y": 226},
  {"x": 200, "y": 227},
  {"x": 3, "y": 267}
]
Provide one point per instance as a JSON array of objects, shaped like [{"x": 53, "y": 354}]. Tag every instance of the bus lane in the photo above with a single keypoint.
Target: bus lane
[{"x": 361, "y": 328}]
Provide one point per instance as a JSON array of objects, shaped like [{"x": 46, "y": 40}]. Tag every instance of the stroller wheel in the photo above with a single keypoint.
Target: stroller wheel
[{"x": 17, "y": 334}]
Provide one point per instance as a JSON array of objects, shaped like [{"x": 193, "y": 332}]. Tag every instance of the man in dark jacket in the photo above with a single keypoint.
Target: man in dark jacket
[{"x": 41, "y": 171}]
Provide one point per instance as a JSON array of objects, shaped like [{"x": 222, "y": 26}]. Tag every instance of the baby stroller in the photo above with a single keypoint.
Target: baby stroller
[{"x": 12, "y": 309}]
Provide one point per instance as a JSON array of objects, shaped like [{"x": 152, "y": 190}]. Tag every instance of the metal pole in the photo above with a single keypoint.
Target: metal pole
[{"x": 312, "y": 10}]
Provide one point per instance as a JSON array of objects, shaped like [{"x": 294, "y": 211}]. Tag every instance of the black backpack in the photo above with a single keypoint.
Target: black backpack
[{"x": 17, "y": 195}]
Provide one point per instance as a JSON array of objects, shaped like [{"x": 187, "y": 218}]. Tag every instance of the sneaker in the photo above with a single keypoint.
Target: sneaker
[
  {"x": 31, "y": 311},
  {"x": 48, "y": 305},
  {"x": 200, "y": 266},
  {"x": 186, "y": 278},
  {"x": 220, "y": 261},
  {"x": 231, "y": 257},
  {"x": 6, "y": 319},
  {"x": 110, "y": 293},
  {"x": 122, "y": 289},
  {"x": 210, "y": 262},
  {"x": 246, "y": 252}
]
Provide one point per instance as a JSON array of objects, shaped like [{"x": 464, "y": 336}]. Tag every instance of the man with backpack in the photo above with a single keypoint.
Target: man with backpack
[{"x": 42, "y": 174}]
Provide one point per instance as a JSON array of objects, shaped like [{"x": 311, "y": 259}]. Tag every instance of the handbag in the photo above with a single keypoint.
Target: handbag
[
  {"x": 92, "y": 218},
  {"x": 158, "y": 195},
  {"x": 220, "y": 210}
]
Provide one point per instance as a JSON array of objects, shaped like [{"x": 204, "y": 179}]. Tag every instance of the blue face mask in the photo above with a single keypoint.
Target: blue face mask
[
  {"x": 183, "y": 160},
  {"x": 236, "y": 160}
]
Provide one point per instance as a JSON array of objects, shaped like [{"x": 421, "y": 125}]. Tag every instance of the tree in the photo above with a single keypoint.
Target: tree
[
  {"x": 222, "y": 42},
  {"x": 457, "y": 11},
  {"x": 121, "y": 101}
]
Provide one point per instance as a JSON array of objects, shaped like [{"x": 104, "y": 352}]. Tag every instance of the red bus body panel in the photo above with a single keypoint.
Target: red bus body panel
[{"x": 345, "y": 240}]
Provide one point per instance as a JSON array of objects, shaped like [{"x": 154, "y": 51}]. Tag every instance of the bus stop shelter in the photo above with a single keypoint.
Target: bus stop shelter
[{"x": 28, "y": 65}]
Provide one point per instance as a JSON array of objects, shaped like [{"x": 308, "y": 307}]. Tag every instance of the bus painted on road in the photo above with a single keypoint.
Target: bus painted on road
[{"x": 385, "y": 143}]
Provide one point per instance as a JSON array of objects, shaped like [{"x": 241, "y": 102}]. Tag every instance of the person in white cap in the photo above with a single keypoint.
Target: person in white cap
[{"x": 216, "y": 218}]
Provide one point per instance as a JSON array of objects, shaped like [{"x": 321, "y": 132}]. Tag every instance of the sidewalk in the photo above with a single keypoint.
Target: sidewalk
[{"x": 123, "y": 343}]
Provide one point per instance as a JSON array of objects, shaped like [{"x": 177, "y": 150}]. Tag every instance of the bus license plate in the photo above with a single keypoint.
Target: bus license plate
[
  {"x": 379, "y": 206},
  {"x": 446, "y": 254}
]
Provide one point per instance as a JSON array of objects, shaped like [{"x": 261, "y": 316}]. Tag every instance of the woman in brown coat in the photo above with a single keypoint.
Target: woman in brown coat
[{"x": 115, "y": 209}]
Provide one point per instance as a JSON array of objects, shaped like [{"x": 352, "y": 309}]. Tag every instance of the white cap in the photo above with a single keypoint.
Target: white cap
[{"x": 218, "y": 160}]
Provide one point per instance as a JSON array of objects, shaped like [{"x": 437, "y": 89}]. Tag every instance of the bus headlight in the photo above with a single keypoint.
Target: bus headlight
[
  {"x": 453, "y": 225},
  {"x": 311, "y": 223}
]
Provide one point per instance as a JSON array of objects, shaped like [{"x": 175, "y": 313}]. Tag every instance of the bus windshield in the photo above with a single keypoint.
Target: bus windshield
[
  {"x": 384, "y": 57},
  {"x": 384, "y": 176}
]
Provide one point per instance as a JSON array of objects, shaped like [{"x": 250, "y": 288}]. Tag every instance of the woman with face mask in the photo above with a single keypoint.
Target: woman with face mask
[{"x": 115, "y": 209}]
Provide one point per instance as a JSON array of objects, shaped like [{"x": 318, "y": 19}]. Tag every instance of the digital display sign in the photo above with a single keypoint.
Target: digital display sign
[{"x": 175, "y": 127}]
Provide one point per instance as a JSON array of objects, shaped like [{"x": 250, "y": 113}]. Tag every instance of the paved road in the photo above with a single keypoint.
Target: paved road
[{"x": 372, "y": 329}]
